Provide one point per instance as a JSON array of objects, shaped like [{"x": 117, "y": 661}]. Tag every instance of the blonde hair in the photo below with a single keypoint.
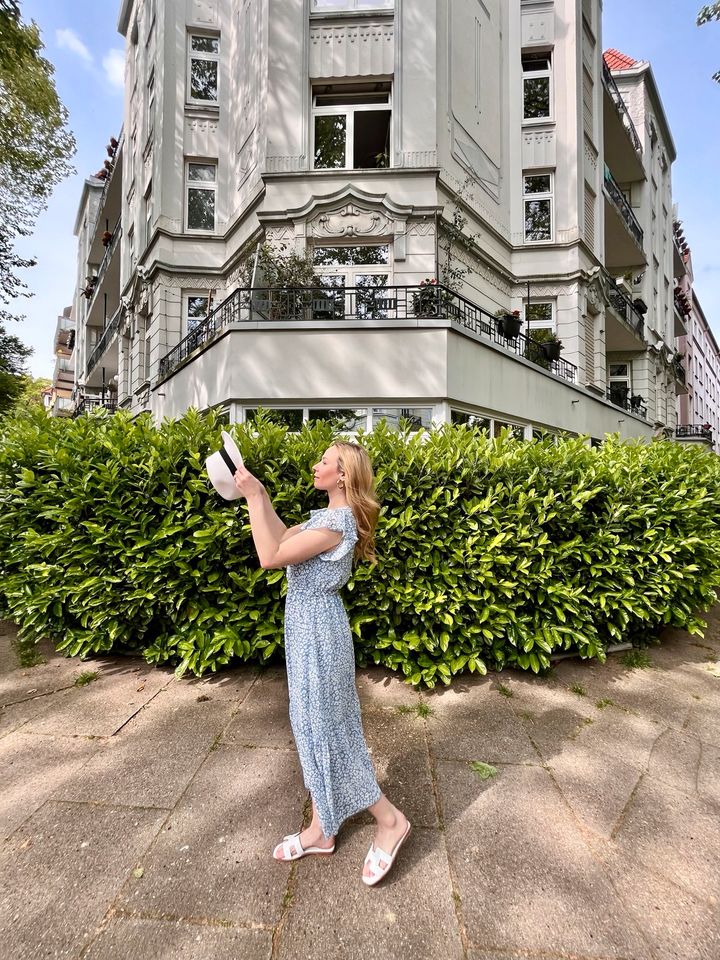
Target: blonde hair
[{"x": 355, "y": 463}]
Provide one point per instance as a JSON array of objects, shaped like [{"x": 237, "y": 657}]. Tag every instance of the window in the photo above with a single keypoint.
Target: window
[
  {"x": 470, "y": 420},
  {"x": 341, "y": 420},
  {"x": 538, "y": 202},
  {"x": 537, "y": 86},
  {"x": 363, "y": 268},
  {"x": 290, "y": 418},
  {"x": 500, "y": 425},
  {"x": 540, "y": 317},
  {"x": 619, "y": 381},
  {"x": 201, "y": 187},
  {"x": 351, "y": 126},
  {"x": 131, "y": 246},
  {"x": 131, "y": 158},
  {"x": 196, "y": 309},
  {"x": 203, "y": 62},
  {"x": 333, "y": 5},
  {"x": 420, "y": 418},
  {"x": 150, "y": 101}
]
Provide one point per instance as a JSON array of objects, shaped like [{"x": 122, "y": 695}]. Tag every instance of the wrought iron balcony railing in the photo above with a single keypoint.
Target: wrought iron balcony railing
[
  {"x": 622, "y": 109},
  {"x": 86, "y": 404},
  {"x": 702, "y": 431},
  {"x": 369, "y": 305},
  {"x": 105, "y": 337},
  {"x": 107, "y": 256},
  {"x": 620, "y": 396},
  {"x": 623, "y": 305},
  {"x": 623, "y": 207}
]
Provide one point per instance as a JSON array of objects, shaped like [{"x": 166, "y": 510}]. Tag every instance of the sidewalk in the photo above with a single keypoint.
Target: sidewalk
[{"x": 138, "y": 815}]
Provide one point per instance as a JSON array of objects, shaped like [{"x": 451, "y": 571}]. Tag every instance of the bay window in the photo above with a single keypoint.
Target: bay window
[{"x": 351, "y": 126}]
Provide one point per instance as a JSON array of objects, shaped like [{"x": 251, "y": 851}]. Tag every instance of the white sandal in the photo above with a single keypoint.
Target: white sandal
[
  {"x": 381, "y": 862},
  {"x": 292, "y": 849}
]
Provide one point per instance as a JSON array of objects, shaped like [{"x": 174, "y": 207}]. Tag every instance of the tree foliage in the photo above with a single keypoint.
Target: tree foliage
[
  {"x": 35, "y": 143},
  {"x": 13, "y": 354},
  {"x": 706, "y": 14}
]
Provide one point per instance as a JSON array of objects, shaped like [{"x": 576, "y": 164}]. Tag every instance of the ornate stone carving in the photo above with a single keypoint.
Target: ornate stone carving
[
  {"x": 351, "y": 221},
  {"x": 202, "y": 124},
  {"x": 352, "y": 50},
  {"x": 421, "y": 228}
]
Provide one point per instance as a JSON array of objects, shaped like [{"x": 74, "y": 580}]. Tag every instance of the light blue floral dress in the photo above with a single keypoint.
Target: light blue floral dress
[{"x": 320, "y": 659}]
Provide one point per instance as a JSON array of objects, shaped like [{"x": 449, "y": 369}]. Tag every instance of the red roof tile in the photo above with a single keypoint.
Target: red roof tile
[{"x": 618, "y": 61}]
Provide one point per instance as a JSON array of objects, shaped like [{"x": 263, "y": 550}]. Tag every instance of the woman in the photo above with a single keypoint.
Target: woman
[{"x": 319, "y": 653}]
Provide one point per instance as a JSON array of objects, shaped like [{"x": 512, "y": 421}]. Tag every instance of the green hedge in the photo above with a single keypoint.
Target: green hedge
[{"x": 491, "y": 552}]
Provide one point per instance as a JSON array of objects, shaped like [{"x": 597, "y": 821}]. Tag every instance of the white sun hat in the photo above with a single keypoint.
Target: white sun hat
[{"x": 221, "y": 467}]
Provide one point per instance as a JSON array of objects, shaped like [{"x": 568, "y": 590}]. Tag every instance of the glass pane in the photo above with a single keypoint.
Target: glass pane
[
  {"x": 197, "y": 308},
  {"x": 500, "y": 425},
  {"x": 292, "y": 419},
  {"x": 470, "y": 420},
  {"x": 539, "y": 313},
  {"x": 537, "y": 184},
  {"x": 201, "y": 209},
  {"x": 420, "y": 418},
  {"x": 348, "y": 420},
  {"x": 537, "y": 220},
  {"x": 330, "y": 141},
  {"x": 618, "y": 369},
  {"x": 536, "y": 97},
  {"x": 205, "y": 44},
  {"x": 372, "y": 139},
  {"x": 202, "y": 171},
  {"x": 371, "y": 302},
  {"x": 350, "y": 256},
  {"x": 204, "y": 80}
]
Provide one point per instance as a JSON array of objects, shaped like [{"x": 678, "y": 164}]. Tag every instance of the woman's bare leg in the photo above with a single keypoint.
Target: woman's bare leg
[
  {"x": 391, "y": 825},
  {"x": 312, "y": 836}
]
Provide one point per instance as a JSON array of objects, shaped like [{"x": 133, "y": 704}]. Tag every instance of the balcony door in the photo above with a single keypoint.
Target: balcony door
[{"x": 362, "y": 272}]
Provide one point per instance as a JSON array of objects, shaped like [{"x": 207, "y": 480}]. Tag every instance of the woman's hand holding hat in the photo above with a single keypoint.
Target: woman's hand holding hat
[{"x": 247, "y": 484}]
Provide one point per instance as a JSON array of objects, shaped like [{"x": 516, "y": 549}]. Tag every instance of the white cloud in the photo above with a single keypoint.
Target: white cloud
[
  {"x": 69, "y": 39},
  {"x": 114, "y": 67}
]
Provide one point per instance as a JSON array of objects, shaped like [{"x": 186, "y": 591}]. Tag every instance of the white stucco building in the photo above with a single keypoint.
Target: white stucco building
[{"x": 486, "y": 144}]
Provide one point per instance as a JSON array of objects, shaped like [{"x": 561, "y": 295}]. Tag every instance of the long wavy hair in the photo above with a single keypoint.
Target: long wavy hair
[{"x": 355, "y": 463}]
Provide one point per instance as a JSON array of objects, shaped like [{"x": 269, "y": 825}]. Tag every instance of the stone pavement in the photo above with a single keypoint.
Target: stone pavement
[{"x": 138, "y": 815}]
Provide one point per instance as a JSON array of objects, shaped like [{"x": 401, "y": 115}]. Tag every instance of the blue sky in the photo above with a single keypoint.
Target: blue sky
[{"x": 82, "y": 42}]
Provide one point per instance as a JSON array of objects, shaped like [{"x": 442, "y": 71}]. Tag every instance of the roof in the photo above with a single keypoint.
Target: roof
[{"x": 618, "y": 61}]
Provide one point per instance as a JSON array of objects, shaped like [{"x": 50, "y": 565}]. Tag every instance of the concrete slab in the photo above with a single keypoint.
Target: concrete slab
[
  {"x": 675, "y": 760},
  {"x": 378, "y": 687},
  {"x": 409, "y": 916},
  {"x": 477, "y": 724},
  {"x": 398, "y": 748},
  {"x": 60, "y": 871},
  {"x": 620, "y": 734},
  {"x": 33, "y": 769},
  {"x": 103, "y": 706},
  {"x": 708, "y": 775},
  {"x": 263, "y": 719},
  {"x": 213, "y": 860},
  {"x": 176, "y": 714},
  {"x": 232, "y": 684},
  {"x": 16, "y": 715},
  {"x": 702, "y": 723},
  {"x": 596, "y": 790},
  {"x": 126, "y": 937},
  {"x": 674, "y": 836},
  {"x": 526, "y": 879}
]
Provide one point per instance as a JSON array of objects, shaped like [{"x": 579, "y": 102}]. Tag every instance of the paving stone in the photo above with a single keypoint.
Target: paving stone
[
  {"x": 377, "y": 687},
  {"x": 103, "y": 706},
  {"x": 16, "y": 715},
  {"x": 177, "y": 714},
  {"x": 263, "y": 718},
  {"x": 408, "y": 916},
  {"x": 58, "y": 673},
  {"x": 33, "y": 768},
  {"x": 126, "y": 937},
  {"x": 616, "y": 733},
  {"x": 596, "y": 789},
  {"x": 708, "y": 777},
  {"x": 214, "y": 859},
  {"x": 229, "y": 684},
  {"x": 550, "y": 714},
  {"x": 399, "y": 753},
  {"x": 527, "y": 880},
  {"x": 675, "y": 924},
  {"x": 477, "y": 724},
  {"x": 60, "y": 871},
  {"x": 702, "y": 724},
  {"x": 673, "y": 835},
  {"x": 675, "y": 760}
]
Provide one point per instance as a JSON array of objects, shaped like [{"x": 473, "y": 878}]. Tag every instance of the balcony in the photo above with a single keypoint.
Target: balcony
[
  {"x": 623, "y": 233},
  {"x": 681, "y": 312},
  {"x": 89, "y": 404},
  {"x": 357, "y": 307},
  {"x": 695, "y": 433},
  {"x": 624, "y": 322},
  {"x": 678, "y": 369},
  {"x": 620, "y": 396},
  {"x": 101, "y": 347},
  {"x": 64, "y": 337},
  {"x": 623, "y": 149}
]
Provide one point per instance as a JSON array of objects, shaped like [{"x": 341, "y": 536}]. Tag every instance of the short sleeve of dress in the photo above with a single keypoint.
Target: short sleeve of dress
[{"x": 342, "y": 521}]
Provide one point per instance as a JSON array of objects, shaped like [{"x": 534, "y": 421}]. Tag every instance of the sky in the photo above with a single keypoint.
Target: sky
[{"x": 82, "y": 42}]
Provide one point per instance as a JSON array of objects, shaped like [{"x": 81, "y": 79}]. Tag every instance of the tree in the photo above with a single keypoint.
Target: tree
[
  {"x": 707, "y": 14},
  {"x": 13, "y": 378},
  {"x": 35, "y": 143}
]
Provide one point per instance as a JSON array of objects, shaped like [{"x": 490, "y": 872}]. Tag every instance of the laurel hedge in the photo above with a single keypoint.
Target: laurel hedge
[{"x": 491, "y": 552}]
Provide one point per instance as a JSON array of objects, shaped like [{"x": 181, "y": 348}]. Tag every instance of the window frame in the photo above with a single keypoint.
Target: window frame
[
  {"x": 201, "y": 55},
  {"x": 348, "y": 111},
  {"x": 187, "y": 296},
  {"x": 541, "y": 324},
  {"x": 150, "y": 105},
  {"x": 548, "y": 195},
  {"x": 193, "y": 185},
  {"x": 352, "y": 6},
  {"x": 530, "y": 55}
]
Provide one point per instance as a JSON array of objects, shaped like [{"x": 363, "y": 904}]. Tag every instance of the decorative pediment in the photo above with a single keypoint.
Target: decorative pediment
[{"x": 351, "y": 221}]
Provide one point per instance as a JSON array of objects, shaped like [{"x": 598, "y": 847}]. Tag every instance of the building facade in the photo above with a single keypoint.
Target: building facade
[{"x": 489, "y": 146}]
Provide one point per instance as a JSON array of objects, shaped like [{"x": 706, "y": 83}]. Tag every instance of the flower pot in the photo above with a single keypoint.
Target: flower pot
[
  {"x": 551, "y": 349},
  {"x": 509, "y": 326}
]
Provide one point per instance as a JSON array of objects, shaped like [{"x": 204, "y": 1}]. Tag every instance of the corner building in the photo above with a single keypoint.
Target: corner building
[{"x": 484, "y": 143}]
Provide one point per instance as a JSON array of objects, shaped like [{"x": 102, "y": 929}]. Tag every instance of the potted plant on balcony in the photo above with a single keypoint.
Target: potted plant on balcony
[
  {"x": 640, "y": 305},
  {"x": 106, "y": 238},
  {"x": 425, "y": 299},
  {"x": 635, "y": 402},
  {"x": 550, "y": 345},
  {"x": 509, "y": 324}
]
